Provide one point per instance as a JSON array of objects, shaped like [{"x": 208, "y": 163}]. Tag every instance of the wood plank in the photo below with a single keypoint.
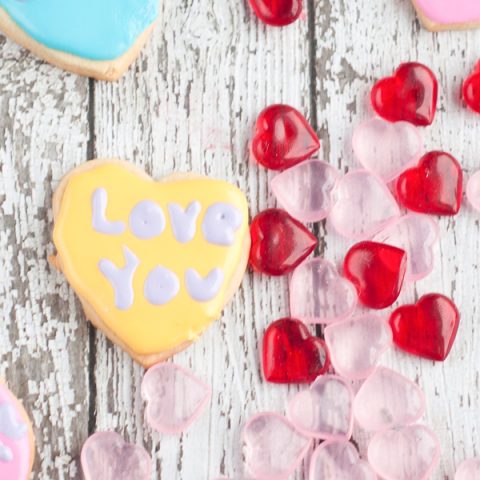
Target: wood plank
[
  {"x": 44, "y": 339},
  {"x": 190, "y": 104},
  {"x": 359, "y": 42}
]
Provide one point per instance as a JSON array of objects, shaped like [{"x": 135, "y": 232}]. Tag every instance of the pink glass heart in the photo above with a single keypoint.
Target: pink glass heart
[
  {"x": 175, "y": 397},
  {"x": 473, "y": 190},
  {"x": 387, "y": 149},
  {"x": 410, "y": 453},
  {"x": 356, "y": 345},
  {"x": 364, "y": 205},
  {"x": 305, "y": 190},
  {"x": 339, "y": 461},
  {"x": 469, "y": 470},
  {"x": 324, "y": 410},
  {"x": 318, "y": 294},
  {"x": 273, "y": 447},
  {"x": 388, "y": 400},
  {"x": 106, "y": 456},
  {"x": 417, "y": 235}
]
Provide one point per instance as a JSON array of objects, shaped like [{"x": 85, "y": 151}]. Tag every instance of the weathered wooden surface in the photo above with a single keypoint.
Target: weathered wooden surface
[{"x": 189, "y": 103}]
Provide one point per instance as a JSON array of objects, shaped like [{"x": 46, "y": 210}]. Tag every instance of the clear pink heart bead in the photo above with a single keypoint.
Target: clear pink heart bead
[
  {"x": 387, "y": 149},
  {"x": 339, "y": 461},
  {"x": 318, "y": 294},
  {"x": 305, "y": 190},
  {"x": 273, "y": 447},
  {"x": 364, "y": 206},
  {"x": 324, "y": 410},
  {"x": 410, "y": 453},
  {"x": 356, "y": 345},
  {"x": 106, "y": 456},
  {"x": 388, "y": 400},
  {"x": 473, "y": 190},
  {"x": 175, "y": 397},
  {"x": 469, "y": 470},
  {"x": 417, "y": 235}
]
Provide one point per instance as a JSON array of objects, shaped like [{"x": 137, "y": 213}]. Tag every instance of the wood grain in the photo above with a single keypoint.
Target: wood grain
[{"x": 189, "y": 103}]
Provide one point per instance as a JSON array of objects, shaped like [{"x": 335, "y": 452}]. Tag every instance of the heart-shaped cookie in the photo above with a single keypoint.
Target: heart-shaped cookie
[
  {"x": 339, "y": 461},
  {"x": 115, "y": 35},
  {"x": 106, "y": 456},
  {"x": 388, "y": 400},
  {"x": 439, "y": 15},
  {"x": 153, "y": 263},
  {"x": 417, "y": 235},
  {"x": 273, "y": 447},
  {"x": 291, "y": 354},
  {"x": 356, "y": 345},
  {"x": 174, "y": 396},
  {"x": 364, "y": 205},
  {"x": 318, "y": 294},
  {"x": 387, "y": 149},
  {"x": 325, "y": 410},
  {"x": 405, "y": 454},
  {"x": 410, "y": 95},
  {"x": 305, "y": 191},
  {"x": 469, "y": 470},
  {"x": 17, "y": 449},
  {"x": 283, "y": 137}
]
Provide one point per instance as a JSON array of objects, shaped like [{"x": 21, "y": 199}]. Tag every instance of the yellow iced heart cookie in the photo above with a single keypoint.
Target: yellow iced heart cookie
[{"x": 153, "y": 263}]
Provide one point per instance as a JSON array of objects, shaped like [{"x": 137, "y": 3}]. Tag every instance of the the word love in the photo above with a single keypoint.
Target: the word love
[{"x": 147, "y": 220}]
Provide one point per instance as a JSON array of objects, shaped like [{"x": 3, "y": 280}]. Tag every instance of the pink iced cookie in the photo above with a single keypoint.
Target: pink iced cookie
[
  {"x": 417, "y": 235},
  {"x": 273, "y": 447},
  {"x": 305, "y": 191},
  {"x": 17, "y": 449},
  {"x": 356, "y": 345},
  {"x": 387, "y": 149},
  {"x": 364, "y": 206},
  {"x": 106, "y": 456},
  {"x": 473, "y": 190},
  {"x": 339, "y": 461},
  {"x": 439, "y": 15},
  {"x": 318, "y": 294},
  {"x": 175, "y": 397},
  {"x": 469, "y": 470},
  {"x": 325, "y": 410},
  {"x": 388, "y": 400},
  {"x": 410, "y": 453}
]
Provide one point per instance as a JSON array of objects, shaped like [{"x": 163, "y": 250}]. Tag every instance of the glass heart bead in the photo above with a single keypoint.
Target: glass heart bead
[
  {"x": 434, "y": 186},
  {"x": 279, "y": 242},
  {"x": 409, "y": 95},
  {"x": 469, "y": 470},
  {"x": 377, "y": 270},
  {"x": 428, "y": 328},
  {"x": 471, "y": 90},
  {"x": 273, "y": 447},
  {"x": 277, "y": 13},
  {"x": 291, "y": 354},
  {"x": 473, "y": 190},
  {"x": 283, "y": 138}
]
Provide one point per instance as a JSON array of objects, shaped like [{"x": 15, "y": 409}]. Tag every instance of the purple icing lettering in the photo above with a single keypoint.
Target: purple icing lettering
[
  {"x": 220, "y": 223},
  {"x": 9, "y": 425},
  {"x": 147, "y": 220},
  {"x": 203, "y": 289},
  {"x": 184, "y": 221},
  {"x": 121, "y": 279},
  {"x": 161, "y": 286},
  {"x": 6, "y": 454},
  {"x": 99, "y": 220}
]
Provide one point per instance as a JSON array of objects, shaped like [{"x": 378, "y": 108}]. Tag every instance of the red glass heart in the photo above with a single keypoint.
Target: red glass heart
[
  {"x": 428, "y": 328},
  {"x": 434, "y": 186},
  {"x": 471, "y": 90},
  {"x": 277, "y": 13},
  {"x": 291, "y": 354},
  {"x": 279, "y": 242},
  {"x": 410, "y": 95},
  {"x": 377, "y": 270},
  {"x": 283, "y": 138}
]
